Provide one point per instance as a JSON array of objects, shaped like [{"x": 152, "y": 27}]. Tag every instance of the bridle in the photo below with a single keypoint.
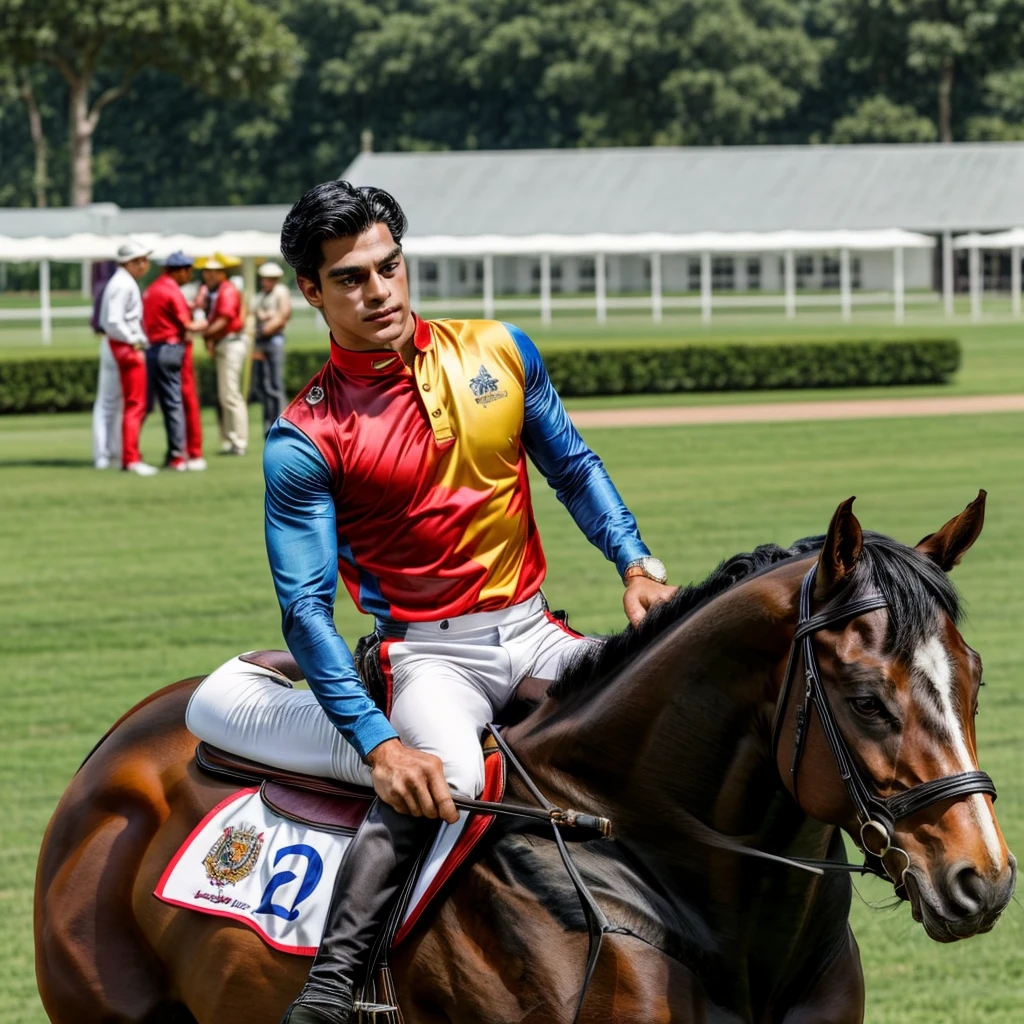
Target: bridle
[{"x": 876, "y": 816}]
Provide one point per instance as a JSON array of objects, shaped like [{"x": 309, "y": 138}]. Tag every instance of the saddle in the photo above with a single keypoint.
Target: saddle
[{"x": 321, "y": 803}]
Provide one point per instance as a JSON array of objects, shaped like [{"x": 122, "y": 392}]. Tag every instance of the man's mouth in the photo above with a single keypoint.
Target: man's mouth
[{"x": 382, "y": 314}]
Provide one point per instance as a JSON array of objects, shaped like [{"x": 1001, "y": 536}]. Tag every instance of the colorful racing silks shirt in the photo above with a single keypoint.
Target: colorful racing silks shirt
[{"x": 411, "y": 484}]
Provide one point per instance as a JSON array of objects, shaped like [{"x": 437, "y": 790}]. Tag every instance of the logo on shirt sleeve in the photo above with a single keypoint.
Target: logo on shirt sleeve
[
  {"x": 315, "y": 395},
  {"x": 485, "y": 387}
]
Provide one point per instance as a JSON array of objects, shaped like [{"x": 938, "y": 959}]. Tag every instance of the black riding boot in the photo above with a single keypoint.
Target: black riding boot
[{"x": 372, "y": 873}]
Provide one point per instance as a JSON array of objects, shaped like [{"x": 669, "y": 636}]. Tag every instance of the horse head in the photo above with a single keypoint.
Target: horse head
[{"x": 901, "y": 687}]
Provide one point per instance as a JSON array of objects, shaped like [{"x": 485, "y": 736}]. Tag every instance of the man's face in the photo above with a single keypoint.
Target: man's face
[
  {"x": 363, "y": 291},
  {"x": 213, "y": 278},
  {"x": 267, "y": 283},
  {"x": 181, "y": 274},
  {"x": 137, "y": 267}
]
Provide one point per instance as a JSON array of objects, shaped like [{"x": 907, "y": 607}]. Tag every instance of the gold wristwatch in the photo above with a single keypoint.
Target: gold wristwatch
[{"x": 649, "y": 566}]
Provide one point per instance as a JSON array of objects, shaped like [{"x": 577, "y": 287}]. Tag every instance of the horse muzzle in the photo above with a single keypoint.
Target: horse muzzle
[{"x": 962, "y": 902}]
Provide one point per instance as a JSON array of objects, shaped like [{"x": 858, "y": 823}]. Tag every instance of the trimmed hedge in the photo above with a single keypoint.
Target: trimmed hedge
[
  {"x": 48, "y": 385},
  {"x": 753, "y": 367}
]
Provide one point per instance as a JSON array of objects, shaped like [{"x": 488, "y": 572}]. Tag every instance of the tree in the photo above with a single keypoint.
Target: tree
[
  {"x": 916, "y": 51},
  {"x": 99, "y": 47},
  {"x": 513, "y": 73},
  {"x": 878, "y": 119}
]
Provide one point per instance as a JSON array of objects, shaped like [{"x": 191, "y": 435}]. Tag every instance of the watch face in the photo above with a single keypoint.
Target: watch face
[{"x": 655, "y": 568}]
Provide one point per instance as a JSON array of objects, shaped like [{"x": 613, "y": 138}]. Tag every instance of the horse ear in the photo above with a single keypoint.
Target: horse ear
[
  {"x": 842, "y": 548},
  {"x": 947, "y": 546}
]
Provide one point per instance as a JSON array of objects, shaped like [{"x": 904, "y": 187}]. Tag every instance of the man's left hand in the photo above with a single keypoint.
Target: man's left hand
[{"x": 642, "y": 594}]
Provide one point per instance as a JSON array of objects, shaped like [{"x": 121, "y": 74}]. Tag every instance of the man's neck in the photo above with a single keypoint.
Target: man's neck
[{"x": 403, "y": 345}]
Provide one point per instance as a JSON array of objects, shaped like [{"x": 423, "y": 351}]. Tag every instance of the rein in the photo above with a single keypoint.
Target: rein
[
  {"x": 876, "y": 816},
  {"x": 597, "y": 923}
]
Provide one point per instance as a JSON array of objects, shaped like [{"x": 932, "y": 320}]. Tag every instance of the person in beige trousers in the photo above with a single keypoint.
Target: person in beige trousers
[{"x": 227, "y": 344}]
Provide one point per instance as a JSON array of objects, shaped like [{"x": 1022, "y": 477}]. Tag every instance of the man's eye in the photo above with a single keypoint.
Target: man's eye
[{"x": 389, "y": 268}]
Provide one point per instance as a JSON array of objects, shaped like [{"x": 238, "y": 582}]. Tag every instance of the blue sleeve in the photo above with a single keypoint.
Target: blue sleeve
[
  {"x": 577, "y": 475},
  {"x": 302, "y": 545}
]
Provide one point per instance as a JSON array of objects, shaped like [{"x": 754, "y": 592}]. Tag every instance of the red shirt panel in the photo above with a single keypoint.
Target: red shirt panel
[
  {"x": 165, "y": 310},
  {"x": 228, "y": 303}
]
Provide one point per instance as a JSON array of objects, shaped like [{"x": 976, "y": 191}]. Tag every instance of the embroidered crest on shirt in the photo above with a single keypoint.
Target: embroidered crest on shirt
[
  {"x": 485, "y": 387},
  {"x": 315, "y": 396}
]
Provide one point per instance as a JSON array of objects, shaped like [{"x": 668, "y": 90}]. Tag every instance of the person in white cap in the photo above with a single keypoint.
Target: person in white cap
[
  {"x": 273, "y": 308},
  {"x": 121, "y": 320}
]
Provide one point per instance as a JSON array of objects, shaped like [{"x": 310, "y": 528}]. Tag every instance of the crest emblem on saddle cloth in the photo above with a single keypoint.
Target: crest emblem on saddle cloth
[
  {"x": 485, "y": 387},
  {"x": 234, "y": 855}
]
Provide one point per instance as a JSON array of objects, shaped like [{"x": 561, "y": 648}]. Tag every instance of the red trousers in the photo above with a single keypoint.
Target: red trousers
[
  {"x": 190, "y": 399},
  {"x": 131, "y": 364}
]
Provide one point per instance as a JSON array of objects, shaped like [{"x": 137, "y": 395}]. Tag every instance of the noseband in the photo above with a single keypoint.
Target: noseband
[{"x": 876, "y": 816}]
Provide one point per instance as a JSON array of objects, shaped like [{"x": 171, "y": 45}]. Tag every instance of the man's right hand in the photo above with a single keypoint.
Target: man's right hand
[{"x": 411, "y": 781}]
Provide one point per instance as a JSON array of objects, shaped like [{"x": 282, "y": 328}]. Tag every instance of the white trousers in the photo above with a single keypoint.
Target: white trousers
[
  {"x": 107, "y": 409},
  {"x": 449, "y": 678}
]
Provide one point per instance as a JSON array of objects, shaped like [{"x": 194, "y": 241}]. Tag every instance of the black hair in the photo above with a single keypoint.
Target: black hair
[{"x": 335, "y": 209}]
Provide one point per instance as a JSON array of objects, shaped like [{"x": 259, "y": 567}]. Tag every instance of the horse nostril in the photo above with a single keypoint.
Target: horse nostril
[{"x": 968, "y": 892}]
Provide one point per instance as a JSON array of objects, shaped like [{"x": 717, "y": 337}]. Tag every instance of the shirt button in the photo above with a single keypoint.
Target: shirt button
[
  {"x": 444, "y": 624},
  {"x": 436, "y": 413},
  {"x": 426, "y": 387}
]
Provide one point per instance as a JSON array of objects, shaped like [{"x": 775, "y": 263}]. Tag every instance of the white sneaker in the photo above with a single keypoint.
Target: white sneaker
[
  {"x": 102, "y": 463},
  {"x": 142, "y": 469},
  {"x": 196, "y": 465}
]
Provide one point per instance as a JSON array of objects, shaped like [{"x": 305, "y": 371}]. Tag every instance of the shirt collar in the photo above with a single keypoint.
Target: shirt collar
[{"x": 378, "y": 362}]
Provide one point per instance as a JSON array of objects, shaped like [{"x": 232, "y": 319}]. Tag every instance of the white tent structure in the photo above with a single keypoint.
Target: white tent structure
[
  {"x": 975, "y": 244},
  {"x": 252, "y": 244},
  {"x": 655, "y": 245}
]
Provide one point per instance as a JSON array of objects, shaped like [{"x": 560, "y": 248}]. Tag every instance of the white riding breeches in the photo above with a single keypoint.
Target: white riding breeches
[
  {"x": 449, "y": 678},
  {"x": 107, "y": 409}
]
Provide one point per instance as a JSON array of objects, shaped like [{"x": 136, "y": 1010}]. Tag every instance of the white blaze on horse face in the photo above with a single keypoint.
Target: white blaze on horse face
[{"x": 933, "y": 661}]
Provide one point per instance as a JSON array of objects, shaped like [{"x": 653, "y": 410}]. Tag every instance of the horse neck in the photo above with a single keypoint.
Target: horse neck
[{"x": 683, "y": 731}]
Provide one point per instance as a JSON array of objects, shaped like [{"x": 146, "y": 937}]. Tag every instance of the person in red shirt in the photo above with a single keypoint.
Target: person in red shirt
[
  {"x": 167, "y": 319},
  {"x": 226, "y": 343}
]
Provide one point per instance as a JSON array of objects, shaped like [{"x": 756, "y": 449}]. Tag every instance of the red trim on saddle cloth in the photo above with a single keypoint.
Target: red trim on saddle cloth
[
  {"x": 562, "y": 626},
  {"x": 476, "y": 828},
  {"x": 185, "y": 845}
]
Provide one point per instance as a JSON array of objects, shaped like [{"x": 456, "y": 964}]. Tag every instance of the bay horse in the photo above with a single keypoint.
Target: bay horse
[{"x": 682, "y": 730}]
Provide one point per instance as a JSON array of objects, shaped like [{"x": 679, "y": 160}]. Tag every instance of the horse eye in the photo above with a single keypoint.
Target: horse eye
[{"x": 868, "y": 707}]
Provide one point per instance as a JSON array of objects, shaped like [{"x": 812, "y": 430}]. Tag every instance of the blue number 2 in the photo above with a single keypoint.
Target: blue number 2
[{"x": 311, "y": 879}]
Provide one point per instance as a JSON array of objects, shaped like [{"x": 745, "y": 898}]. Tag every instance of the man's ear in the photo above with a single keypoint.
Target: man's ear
[
  {"x": 839, "y": 555},
  {"x": 948, "y": 545},
  {"x": 310, "y": 291}
]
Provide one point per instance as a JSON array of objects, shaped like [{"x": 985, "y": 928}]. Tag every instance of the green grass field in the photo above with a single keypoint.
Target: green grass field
[{"x": 114, "y": 586}]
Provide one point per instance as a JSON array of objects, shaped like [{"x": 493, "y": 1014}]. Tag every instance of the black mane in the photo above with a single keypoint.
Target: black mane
[{"x": 914, "y": 587}]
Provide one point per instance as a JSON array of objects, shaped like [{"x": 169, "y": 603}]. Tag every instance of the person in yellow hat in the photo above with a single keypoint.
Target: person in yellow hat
[{"x": 226, "y": 343}]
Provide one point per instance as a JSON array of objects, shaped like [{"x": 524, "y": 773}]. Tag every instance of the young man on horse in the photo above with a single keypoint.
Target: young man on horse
[{"x": 402, "y": 468}]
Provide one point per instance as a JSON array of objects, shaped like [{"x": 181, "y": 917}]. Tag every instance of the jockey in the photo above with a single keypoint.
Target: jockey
[{"x": 401, "y": 467}]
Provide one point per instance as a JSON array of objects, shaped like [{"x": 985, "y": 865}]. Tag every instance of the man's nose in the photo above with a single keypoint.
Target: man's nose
[{"x": 376, "y": 288}]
